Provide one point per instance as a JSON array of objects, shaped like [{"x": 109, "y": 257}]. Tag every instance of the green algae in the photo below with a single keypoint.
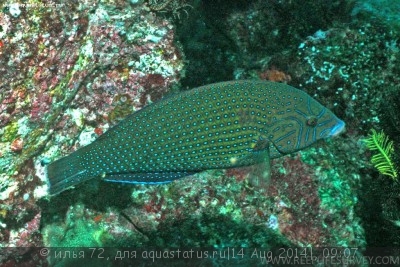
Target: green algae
[
  {"x": 123, "y": 107},
  {"x": 10, "y": 132}
]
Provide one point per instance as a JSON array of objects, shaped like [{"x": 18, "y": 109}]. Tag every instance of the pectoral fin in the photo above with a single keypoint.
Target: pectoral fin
[
  {"x": 258, "y": 159},
  {"x": 260, "y": 173}
]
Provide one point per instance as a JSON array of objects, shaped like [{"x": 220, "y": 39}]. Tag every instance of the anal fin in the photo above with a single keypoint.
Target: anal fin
[{"x": 145, "y": 178}]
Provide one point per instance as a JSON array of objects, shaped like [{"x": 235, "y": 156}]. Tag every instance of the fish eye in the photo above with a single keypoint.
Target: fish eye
[{"x": 312, "y": 121}]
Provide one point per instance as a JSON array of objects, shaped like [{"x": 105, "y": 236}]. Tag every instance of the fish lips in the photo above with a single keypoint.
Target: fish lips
[{"x": 338, "y": 128}]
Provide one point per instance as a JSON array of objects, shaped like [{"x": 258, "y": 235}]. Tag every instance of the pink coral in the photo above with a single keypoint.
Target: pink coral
[
  {"x": 69, "y": 71},
  {"x": 299, "y": 211}
]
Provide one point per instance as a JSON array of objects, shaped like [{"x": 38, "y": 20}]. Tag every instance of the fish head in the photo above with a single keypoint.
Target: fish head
[{"x": 305, "y": 122}]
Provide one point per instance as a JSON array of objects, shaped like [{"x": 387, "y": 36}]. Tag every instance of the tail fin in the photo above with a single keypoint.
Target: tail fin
[{"x": 66, "y": 172}]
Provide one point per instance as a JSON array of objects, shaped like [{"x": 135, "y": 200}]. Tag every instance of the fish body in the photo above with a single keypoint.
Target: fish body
[{"x": 216, "y": 126}]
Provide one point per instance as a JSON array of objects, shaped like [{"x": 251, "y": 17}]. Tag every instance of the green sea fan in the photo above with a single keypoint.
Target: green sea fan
[{"x": 380, "y": 143}]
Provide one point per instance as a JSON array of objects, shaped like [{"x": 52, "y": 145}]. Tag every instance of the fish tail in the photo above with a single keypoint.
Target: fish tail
[{"x": 65, "y": 173}]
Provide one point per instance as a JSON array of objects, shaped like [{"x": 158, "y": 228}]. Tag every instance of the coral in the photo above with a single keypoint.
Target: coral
[
  {"x": 383, "y": 10},
  {"x": 69, "y": 72},
  {"x": 72, "y": 71},
  {"x": 80, "y": 229},
  {"x": 17, "y": 144},
  {"x": 275, "y": 75},
  {"x": 218, "y": 209},
  {"x": 10, "y": 131},
  {"x": 173, "y": 6},
  {"x": 301, "y": 198},
  {"x": 307, "y": 199},
  {"x": 346, "y": 76}
]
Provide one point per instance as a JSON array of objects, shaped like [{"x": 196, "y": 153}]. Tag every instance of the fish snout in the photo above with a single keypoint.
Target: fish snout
[{"x": 338, "y": 128}]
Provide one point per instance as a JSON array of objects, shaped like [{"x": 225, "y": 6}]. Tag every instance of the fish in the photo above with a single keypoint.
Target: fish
[{"x": 217, "y": 126}]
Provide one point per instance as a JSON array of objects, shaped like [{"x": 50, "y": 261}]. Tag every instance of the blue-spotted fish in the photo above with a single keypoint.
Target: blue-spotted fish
[{"x": 216, "y": 126}]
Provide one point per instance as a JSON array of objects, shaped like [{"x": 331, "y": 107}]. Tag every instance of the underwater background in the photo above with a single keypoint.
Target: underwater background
[{"x": 69, "y": 71}]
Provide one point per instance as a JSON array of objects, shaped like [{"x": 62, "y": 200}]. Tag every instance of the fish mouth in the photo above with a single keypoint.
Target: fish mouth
[{"x": 338, "y": 128}]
